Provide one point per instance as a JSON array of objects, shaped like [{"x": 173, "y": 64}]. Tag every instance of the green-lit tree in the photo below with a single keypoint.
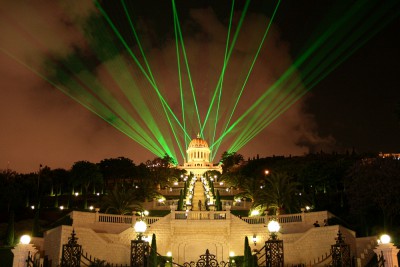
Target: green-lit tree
[
  {"x": 153, "y": 259},
  {"x": 248, "y": 257},
  {"x": 180, "y": 201},
  {"x": 86, "y": 174},
  {"x": 218, "y": 203},
  {"x": 10, "y": 229}
]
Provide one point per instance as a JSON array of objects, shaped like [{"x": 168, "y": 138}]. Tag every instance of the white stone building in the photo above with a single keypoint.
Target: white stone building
[{"x": 198, "y": 158}]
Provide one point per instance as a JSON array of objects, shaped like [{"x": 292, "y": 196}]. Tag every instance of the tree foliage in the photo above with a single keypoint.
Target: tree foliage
[
  {"x": 86, "y": 174},
  {"x": 280, "y": 192},
  {"x": 121, "y": 201},
  {"x": 229, "y": 160},
  {"x": 117, "y": 169},
  {"x": 375, "y": 183}
]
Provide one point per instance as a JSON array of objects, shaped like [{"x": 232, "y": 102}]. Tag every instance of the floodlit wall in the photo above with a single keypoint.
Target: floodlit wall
[{"x": 188, "y": 235}]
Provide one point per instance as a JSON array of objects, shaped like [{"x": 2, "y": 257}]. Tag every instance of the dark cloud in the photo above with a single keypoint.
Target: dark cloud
[{"x": 44, "y": 126}]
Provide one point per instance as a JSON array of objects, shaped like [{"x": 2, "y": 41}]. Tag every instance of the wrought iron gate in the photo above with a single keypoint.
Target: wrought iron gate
[
  {"x": 207, "y": 260},
  {"x": 71, "y": 252}
]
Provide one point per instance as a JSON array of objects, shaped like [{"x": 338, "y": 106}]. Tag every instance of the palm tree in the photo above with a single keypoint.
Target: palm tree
[
  {"x": 280, "y": 192},
  {"x": 230, "y": 160},
  {"x": 120, "y": 201},
  {"x": 252, "y": 190}
]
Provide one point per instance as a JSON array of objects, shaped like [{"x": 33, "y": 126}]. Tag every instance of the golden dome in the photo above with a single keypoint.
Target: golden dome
[{"x": 198, "y": 143}]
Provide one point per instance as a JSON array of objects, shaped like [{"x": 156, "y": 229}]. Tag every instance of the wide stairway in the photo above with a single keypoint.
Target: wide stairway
[{"x": 198, "y": 194}]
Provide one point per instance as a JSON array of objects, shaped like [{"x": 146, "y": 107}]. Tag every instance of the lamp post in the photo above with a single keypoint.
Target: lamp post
[
  {"x": 274, "y": 246},
  {"x": 340, "y": 251},
  {"x": 22, "y": 251},
  {"x": 139, "y": 247},
  {"x": 388, "y": 250}
]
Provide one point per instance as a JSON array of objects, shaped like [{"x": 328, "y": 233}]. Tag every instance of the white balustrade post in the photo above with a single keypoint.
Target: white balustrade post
[
  {"x": 133, "y": 217},
  {"x": 389, "y": 253},
  {"x": 96, "y": 218},
  {"x": 228, "y": 211},
  {"x": 173, "y": 209},
  {"x": 21, "y": 252}
]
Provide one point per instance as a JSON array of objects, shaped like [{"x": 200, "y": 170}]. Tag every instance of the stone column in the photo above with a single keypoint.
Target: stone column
[
  {"x": 21, "y": 252},
  {"x": 389, "y": 251},
  {"x": 96, "y": 215},
  {"x": 228, "y": 212},
  {"x": 173, "y": 209}
]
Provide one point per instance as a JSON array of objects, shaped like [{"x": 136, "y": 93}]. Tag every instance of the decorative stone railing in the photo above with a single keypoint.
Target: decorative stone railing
[
  {"x": 84, "y": 218},
  {"x": 200, "y": 215},
  {"x": 288, "y": 219},
  {"x": 308, "y": 218},
  {"x": 111, "y": 218},
  {"x": 126, "y": 219}
]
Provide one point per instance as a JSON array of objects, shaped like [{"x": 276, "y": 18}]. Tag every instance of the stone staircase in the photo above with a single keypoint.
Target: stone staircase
[
  {"x": 365, "y": 246},
  {"x": 198, "y": 195}
]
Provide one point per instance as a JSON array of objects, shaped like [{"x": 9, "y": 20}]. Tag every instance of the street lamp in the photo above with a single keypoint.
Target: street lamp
[
  {"x": 140, "y": 227},
  {"x": 25, "y": 239},
  {"x": 139, "y": 247},
  {"x": 274, "y": 246},
  {"x": 254, "y": 239},
  {"x": 387, "y": 251},
  {"x": 24, "y": 252},
  {"x": 384, "y": 239},
  {"x": 273, "y": 228}
]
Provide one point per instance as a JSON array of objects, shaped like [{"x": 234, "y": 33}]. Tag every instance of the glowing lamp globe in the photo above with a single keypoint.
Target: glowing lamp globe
[
  {"x": 385, "y": 239},
  {"x": 25, "y": 239},
  {"x": 273, "y": 226},
  {"x": 169, "y": 254},
  {"x": 140, "y": 227}
]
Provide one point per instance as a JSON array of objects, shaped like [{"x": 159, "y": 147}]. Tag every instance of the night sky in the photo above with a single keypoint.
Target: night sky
[{"x": 352, "y": 107}]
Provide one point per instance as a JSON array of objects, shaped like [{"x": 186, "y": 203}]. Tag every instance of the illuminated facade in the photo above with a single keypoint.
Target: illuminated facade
[{"x": 198, "y": 158}]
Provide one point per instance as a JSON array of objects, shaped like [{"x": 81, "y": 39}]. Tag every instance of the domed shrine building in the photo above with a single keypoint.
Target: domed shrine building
[{"x": 198, "y": 158}]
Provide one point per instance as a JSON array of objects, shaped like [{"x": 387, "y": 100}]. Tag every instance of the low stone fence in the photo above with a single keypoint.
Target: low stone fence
[
  {"x": 83, "y": 218},
  {"x": 200, "y": 215}
]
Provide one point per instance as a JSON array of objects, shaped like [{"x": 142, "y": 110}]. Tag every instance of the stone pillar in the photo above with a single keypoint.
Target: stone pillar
[
  {"x": 96, "y": 215},
  {"x": 228, "y": 212},
  {"x": 21, "y": 252},
  {"x": 173, "y": 209},
  {"x": 389, "y": 251}
]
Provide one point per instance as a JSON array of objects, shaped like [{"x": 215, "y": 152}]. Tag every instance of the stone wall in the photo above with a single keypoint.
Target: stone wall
[{"x": 188, "y": 236}]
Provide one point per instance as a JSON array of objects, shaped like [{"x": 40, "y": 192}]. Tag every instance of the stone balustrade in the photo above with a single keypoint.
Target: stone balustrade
[
  {"x": 85, "y": 218},
  {"x": 200, "y": 215}
]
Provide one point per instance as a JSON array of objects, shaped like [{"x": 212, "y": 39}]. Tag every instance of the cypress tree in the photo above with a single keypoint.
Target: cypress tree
[
  {"x": 247, "y": 253},
  {"x": 218, "y": 203},
  {"x": 180, "y": 202},
  {"x": 153, "y": 252},
  {"x": 36, "y": 226},
  {"x": 10, "y": 229}
]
